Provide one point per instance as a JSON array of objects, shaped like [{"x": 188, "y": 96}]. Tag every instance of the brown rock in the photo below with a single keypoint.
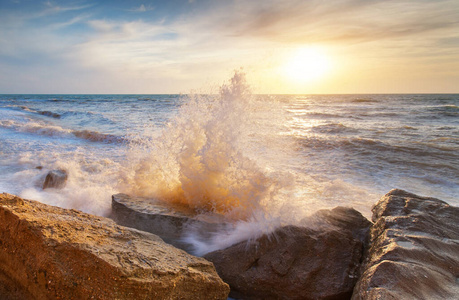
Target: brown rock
[
  {"x": 48, "y": 252},
  {"x": 55, "y": 179},
  {"x": 414, "y": 252},
  {"x": 316, "y": 262},
  {"x": 167, "y": 220}
]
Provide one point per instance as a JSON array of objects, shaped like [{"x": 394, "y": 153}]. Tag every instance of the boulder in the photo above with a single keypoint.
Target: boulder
[
  {"x": 55, "y": 179},
  {"x": 414, "y": 251},
  {"x": 320, "y": 261},
  {"x": 48, "y": 252},
  {"x": 170, "y": 221}
]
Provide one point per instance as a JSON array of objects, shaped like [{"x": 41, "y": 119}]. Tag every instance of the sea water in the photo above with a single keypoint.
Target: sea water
[{"x": 255, "y": 159}]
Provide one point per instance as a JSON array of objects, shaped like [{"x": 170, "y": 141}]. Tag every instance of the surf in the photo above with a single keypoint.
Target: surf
[{"x": 211, "y": 155}]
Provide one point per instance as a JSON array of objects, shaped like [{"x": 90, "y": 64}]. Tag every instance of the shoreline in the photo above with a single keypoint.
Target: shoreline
[{"x": 398, "y": 218}]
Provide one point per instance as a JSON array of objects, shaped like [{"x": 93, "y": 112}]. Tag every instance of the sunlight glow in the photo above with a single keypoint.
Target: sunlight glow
[{"x": 306, "y": 64}]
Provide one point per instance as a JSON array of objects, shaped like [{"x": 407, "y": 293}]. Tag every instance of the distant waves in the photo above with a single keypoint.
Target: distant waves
[{"x": 50, "y": 130}]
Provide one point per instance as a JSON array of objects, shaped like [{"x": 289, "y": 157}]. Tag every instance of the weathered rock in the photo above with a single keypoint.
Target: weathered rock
[
  {"x": 55, "y": 179},
  {"x": 316, "y": 262},
  {"x": 169, "y": 221},
  {"x": 343, "y": 218},
  {"x": 414, "y": 252},
  {"x": 48, "y": 252}
]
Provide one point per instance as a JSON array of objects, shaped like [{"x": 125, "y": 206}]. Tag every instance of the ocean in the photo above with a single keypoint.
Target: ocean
[{"x": 248, "y": 157}]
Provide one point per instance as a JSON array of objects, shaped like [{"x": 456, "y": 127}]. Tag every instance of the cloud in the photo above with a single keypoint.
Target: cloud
[
  {"x": 142, "y": 8},
  {"x": 79, "y": 19},
  {"x": 353, "y": 21},
  {"x": 178, "y": 46},
  {"x": 101, "y": 25},
  {"x": 54, "y": 8}
]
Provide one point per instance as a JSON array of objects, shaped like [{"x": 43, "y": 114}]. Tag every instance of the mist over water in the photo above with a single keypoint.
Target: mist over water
[{"x": 258, "y": 161}]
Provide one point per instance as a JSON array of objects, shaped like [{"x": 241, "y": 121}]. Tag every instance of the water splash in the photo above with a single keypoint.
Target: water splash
[{"x": 208, "y": 156}]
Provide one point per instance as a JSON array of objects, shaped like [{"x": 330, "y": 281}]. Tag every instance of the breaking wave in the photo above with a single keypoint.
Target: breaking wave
[
  {"x": 212, "y": 155},
  {"x": 57, "y": 131},
  {"x": 41, "y": 112}
]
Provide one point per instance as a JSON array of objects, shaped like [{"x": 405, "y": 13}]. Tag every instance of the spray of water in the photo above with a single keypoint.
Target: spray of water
[
  {"x": 213, "y": 156},
  {"x": 89, "y": 184}
]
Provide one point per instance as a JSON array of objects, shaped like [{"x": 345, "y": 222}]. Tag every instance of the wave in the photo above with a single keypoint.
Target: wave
[
  {"x": 380, "y": 114},
  {"x": 364, "y": 146},
  {"x": 319, "y": 115},
  {"x": 68, "y": 114},
  {"x": 371, "y": 156},
  {"x": 41, "y": 112},
  {"x": 95, "y": 136},
  {"x": 57, "y": 131},
  {"x": 407, "y": 127},
  {"x": 35, "y": 127},
  {"x": 332, "y": 128},
  {"x": 206, "y": 157},
  {"x": 78, "y": 113},
  {"x": 49, "y": 114},
  {"x": 446, "y": 110},
  {"x": 364, "y": 100}
]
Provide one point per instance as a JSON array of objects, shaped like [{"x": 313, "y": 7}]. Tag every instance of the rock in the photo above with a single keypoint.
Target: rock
[
  {"x": 414, "y": 252},
  {"x": 48, "y": 252},
  {"x": 343, "y": 218},
  {"x": 320, "y": 261},
  {"x": 170, "y": 221},
  {"x": 55, "y": 179}
]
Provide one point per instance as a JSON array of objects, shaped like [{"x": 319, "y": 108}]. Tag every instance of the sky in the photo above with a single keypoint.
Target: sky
[{"x": 284, "y": 47}]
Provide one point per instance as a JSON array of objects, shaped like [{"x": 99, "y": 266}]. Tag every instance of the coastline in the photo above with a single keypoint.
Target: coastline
[{"x": 399, "y": 246}]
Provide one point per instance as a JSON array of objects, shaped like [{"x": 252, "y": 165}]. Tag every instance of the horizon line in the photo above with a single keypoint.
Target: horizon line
[{"x": 262, "y": 94}]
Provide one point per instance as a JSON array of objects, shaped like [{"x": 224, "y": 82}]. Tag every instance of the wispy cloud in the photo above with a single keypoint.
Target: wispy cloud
[
  {"x": 55, "y": 8},
  {"x": 354, "y": 21},
  {"x": 142, "y": 8}
]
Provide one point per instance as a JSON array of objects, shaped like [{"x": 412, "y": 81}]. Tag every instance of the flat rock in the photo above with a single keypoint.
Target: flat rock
[
  {"x": 168, "y": 220},
  {"x": 320, "y": 261},
  {"x": 55, "y": 179},
  {"x": 48, "y": 252},
  {"x": 414, "y": 252}
]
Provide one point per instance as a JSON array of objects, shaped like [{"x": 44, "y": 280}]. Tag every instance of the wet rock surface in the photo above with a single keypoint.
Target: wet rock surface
[
  {"x": 320, "y": 261},
  {"x": 48, "y": 252},
  {"x": 414, "y": 252},
  {"x": 55, "y": 179},
  {"x": 169, "y": 221}
]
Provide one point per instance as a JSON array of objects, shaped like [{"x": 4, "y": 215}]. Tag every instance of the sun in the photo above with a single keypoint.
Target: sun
[{"x": 306, "y": 64}]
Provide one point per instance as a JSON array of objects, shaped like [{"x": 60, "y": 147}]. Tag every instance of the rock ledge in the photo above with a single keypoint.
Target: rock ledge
[
  {"x": 167, "y": 220},
  {"x": 414, "y": 252},
  {"x": 48, "y": 252}
]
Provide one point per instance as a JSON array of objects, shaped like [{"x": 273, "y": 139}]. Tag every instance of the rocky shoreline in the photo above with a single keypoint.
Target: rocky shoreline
[
  {"x": 48, "y": 252},
  {"x": 409, "y": 250}
]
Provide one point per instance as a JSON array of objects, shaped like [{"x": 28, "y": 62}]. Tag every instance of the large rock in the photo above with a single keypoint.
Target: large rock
[
  {"x": 414, "y": 252},
  {"x": 320, "y": 261},
  {"x": 55, "y": 179},
  {"x": 168, "y": 220},
  {"x": 52, "y": 253}
]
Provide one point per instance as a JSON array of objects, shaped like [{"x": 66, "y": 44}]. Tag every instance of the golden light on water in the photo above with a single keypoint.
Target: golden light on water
[{"x": 306, "y": 64}]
